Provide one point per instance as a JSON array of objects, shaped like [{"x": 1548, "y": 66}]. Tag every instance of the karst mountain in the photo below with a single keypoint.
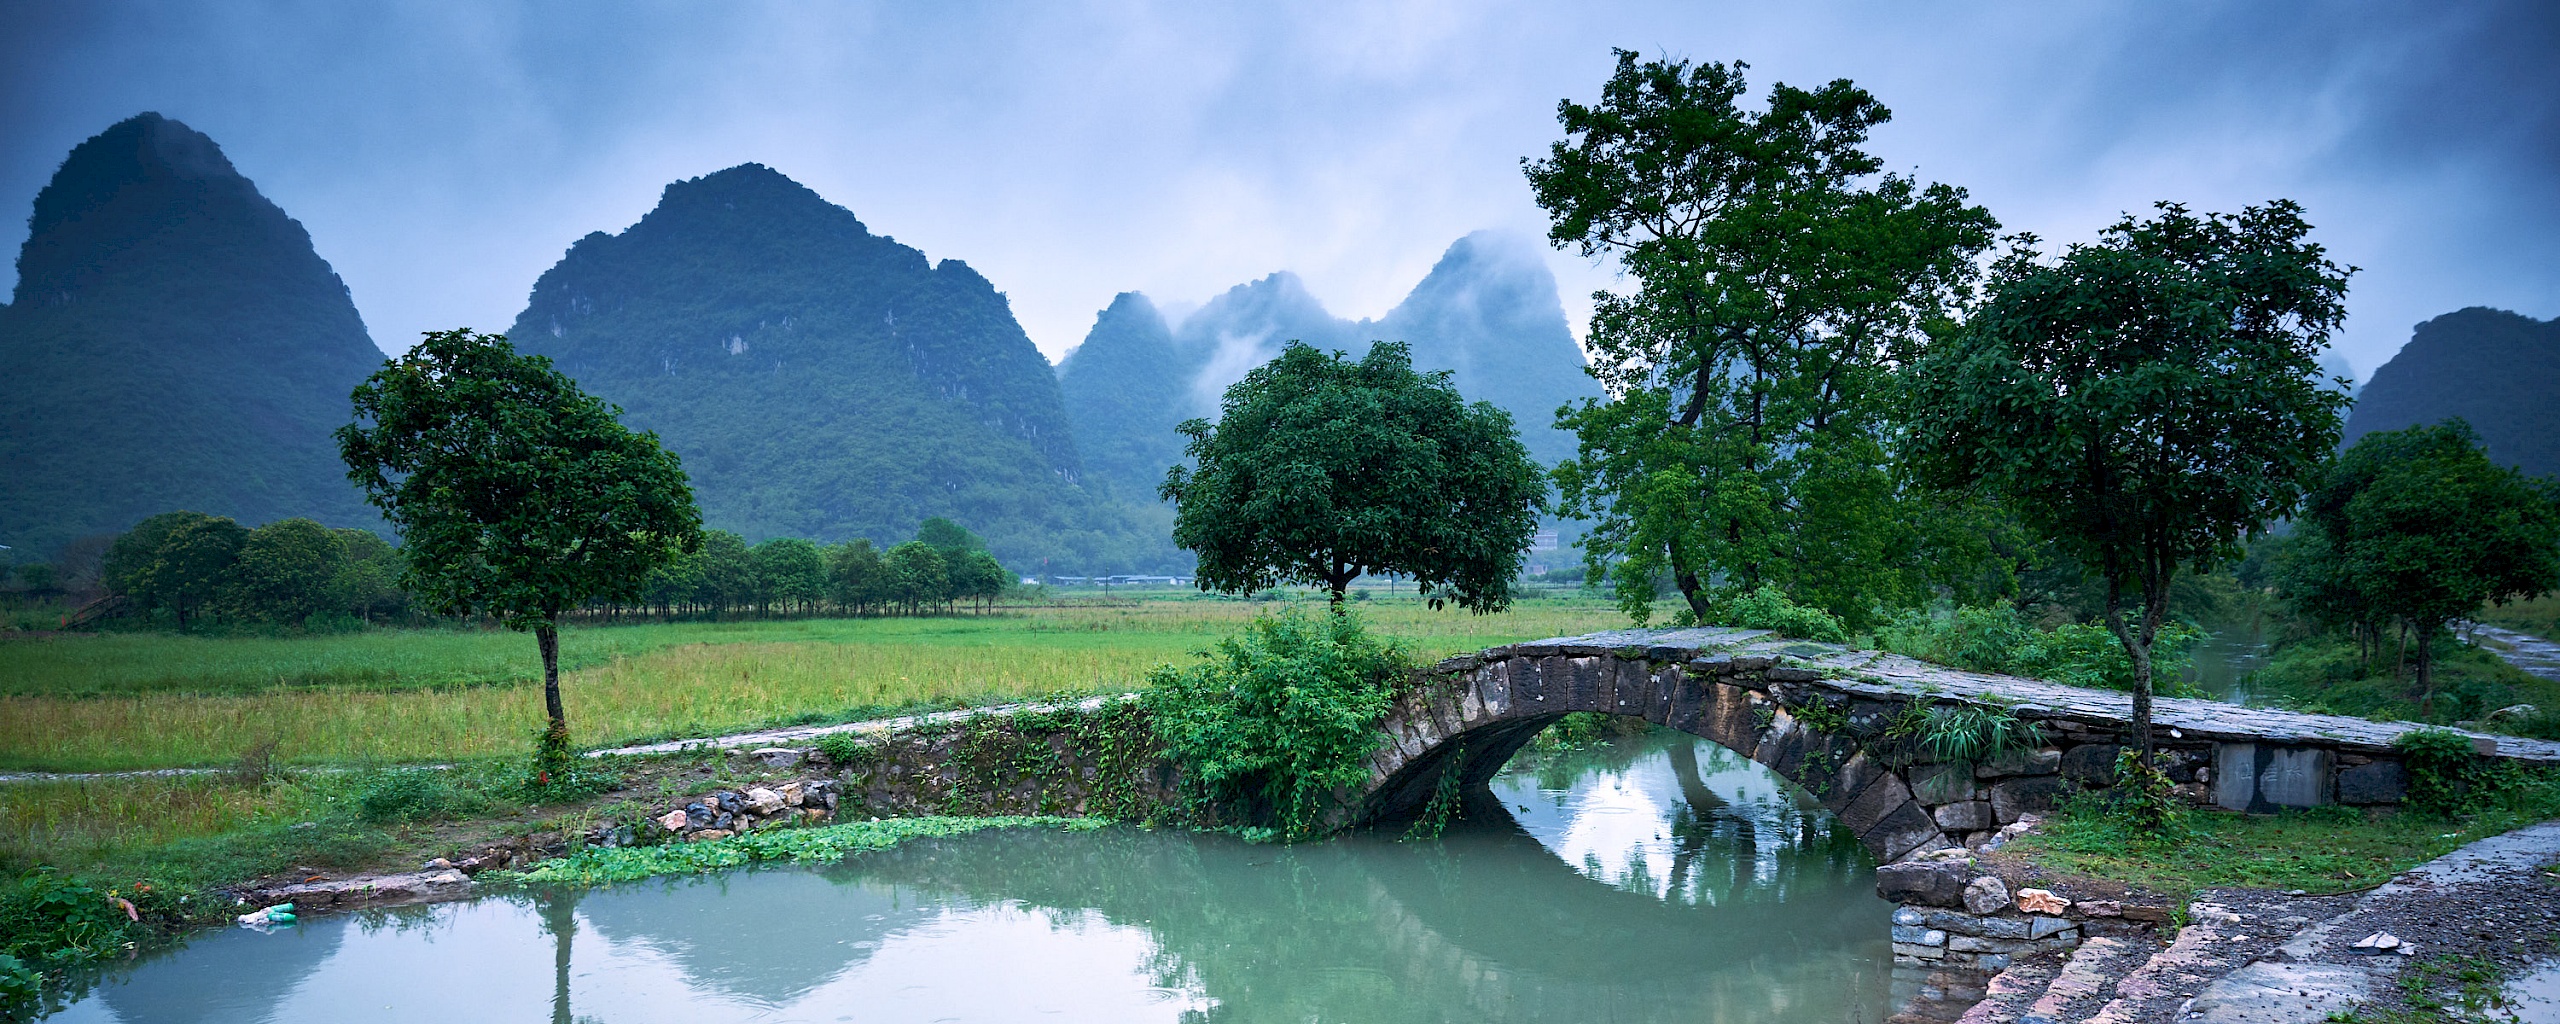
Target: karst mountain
[
  {"x": 822, "y": 381},
  {"x": 1487, "y": 312},
  {"x": 2497, "y": 370},
  {"x": 173, "y": 342}
]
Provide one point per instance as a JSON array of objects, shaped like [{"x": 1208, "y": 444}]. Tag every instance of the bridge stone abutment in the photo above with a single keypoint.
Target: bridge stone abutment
[{"x": 1824, "y": 717}]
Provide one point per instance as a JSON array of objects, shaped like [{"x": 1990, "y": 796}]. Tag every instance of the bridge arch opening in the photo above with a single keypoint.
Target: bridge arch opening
[{"x": 1459, "y": 731}]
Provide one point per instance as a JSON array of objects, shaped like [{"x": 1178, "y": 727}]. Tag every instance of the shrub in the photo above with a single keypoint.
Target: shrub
[
  {"x": 1998, "y": 639},
  {"x": 1768, "y": 608},
  {"x": 1276, "y": 719},
  {"x": 405, "y": 795},
  {"x": 2445, "y": 772}
]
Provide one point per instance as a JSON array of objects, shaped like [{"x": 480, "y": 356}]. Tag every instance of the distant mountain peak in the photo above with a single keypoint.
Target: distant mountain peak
[
  {"x": 2497, "y": 370},
  {"x": 174, "y": 342},
  {"x": 121, "y": 185}
]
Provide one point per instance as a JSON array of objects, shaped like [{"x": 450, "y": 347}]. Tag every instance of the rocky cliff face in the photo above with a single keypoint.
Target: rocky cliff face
[
  {"x": 173, "y": 342},
  {"x": 1487, "y": 312},
  {"x": 819, "y": 380},
  {"x": 2498, "y": 370}
]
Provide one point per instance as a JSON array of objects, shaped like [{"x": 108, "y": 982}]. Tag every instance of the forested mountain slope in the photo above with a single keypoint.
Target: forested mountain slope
[
  {"x": 822, "y": 381},
  {"x": 173, "y": 342},
  {"x": 1488, "y": 312},
  {"x": 2498, "y": 370}
]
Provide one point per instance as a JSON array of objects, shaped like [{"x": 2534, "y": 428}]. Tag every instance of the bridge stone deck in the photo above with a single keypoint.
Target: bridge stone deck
[{"x": 1821, "y": 715}]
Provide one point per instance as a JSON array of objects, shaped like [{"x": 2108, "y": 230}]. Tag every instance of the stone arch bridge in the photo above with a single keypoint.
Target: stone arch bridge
[{"x": 1823, "y": 717}]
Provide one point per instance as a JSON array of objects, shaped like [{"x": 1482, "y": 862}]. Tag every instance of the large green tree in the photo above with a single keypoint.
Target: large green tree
[
  {"x": 515, "y": 494},
  {"x": 2418, "y": 526},
  {"x": 1320, "y": 470},
  {"x": 2145, "y": 401},
  {"x": 791, "y": 572},
  {"x": 1781, "y": 278},
  {"x": 174, "y": 561},
  {"x": 284, "y": 573}
]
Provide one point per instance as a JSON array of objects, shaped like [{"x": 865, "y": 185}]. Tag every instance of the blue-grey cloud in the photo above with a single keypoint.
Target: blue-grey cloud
[{"x": 444, "y": 153}]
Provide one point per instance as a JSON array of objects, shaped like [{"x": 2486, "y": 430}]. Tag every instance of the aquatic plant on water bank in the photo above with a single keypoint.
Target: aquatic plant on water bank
[{"x": 820, "y": 844}]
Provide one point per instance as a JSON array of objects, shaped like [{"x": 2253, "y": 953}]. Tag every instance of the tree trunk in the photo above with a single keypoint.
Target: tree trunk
[
  {"x": 559, "y": 917},
  {"x": 2138, "y": 650},
  {"x": 1694, "y": 591},
  {"x": 2427, "y": 671},
  {"x": 547, "y": 636}
]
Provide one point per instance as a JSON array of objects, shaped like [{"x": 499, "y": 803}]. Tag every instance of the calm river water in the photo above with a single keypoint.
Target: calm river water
[{"x": 1659, "y": 878}]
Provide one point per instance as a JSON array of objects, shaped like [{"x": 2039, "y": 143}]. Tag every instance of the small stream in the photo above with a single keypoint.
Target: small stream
[
  {"x": 1655, "y": 878},
  {"x": 2221, "y": 662}
]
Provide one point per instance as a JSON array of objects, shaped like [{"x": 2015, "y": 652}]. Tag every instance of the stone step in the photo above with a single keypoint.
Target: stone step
[
  {"x": 2009, "y": 993},
  {"x": 2217, "y": 940},
  {"x": 2087, "y": 980}
]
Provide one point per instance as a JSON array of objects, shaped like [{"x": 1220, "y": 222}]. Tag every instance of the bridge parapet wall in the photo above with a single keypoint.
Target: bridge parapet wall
[{"x": 1825, "y": 716}]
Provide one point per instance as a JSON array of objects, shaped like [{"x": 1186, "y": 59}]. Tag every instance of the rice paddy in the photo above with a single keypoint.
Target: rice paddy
[{"x": 137, "y": 701}]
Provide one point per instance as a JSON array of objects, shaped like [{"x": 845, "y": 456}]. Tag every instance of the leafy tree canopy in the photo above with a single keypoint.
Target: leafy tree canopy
[
  {"x": 2418, "y": 526},
  {"x": 1321, "y": 469},
  {"x": 174, "y": 561},
  {"x": 2146, "y": 400},
  {"x": 515, "y": 494},
  {"x": 1781, "y": 278}
]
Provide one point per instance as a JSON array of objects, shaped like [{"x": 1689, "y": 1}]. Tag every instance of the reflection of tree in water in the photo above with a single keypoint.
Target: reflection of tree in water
[
  {"x": 771, "y": 935},
  {"x": 1485, "y": 924}
]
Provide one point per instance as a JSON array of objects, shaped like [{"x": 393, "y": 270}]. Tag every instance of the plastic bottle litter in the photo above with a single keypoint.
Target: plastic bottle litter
[{"x": 281, "y": 913}]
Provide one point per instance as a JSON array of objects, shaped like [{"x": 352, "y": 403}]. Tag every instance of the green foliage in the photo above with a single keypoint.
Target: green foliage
[
  {"x": 1321, "y": 470},
  {"x": 918, "y": 575},
  {"x": 1967, "y": 735},
  {"x": 2144, "y": 797},
  {"x": 790, "y": 572},
  {"x": 2418, "y": 528},
  {"x": 406, "y": 794},
  {"x": 846, "y": 750},
  {"x": 51, "y": 922},
  {"x": 1768, "y": 608},
  {"x": 288, "y": 572},
  {"x": 1274, "y": 721},
  {"x": 2332, "y": 673},
  {"x": 516, "y": 494},
  {"x": 2446, "y": 774},
  {"x": 174, "y": 561},
  {"x": 285, "y": 573},
  {"x": 2145, "y": 401},
  {"x": 2000, "y": 639},
  {"x": 818, "y": 845},
  {"x": 1781, "y": 277}
]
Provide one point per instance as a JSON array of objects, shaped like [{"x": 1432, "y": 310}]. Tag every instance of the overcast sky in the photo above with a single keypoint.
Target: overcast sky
[{"x": 443, "y": 154}]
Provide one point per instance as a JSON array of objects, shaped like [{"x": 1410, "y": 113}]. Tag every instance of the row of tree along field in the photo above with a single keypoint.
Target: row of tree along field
[{"x": 186, "y": 569}]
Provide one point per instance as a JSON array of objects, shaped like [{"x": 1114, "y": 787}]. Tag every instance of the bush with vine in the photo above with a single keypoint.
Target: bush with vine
[
  {"x": 1275, "y": 720},
  {"x": 2447, "y": 776}
]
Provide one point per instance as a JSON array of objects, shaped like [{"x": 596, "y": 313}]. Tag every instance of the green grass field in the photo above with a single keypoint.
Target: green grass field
[
  {"x": 2540, "y": 616},
  {"x": 125, "y": 701}
]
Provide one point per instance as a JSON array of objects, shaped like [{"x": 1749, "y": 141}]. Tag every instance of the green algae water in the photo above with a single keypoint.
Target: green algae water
[{"x": 1656, "y": 878}]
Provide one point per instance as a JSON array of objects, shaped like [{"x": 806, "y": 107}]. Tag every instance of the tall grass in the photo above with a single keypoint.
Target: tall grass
[
  {"x": 636, "y": 682},
  {"x": 2539, "y": 616}
]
